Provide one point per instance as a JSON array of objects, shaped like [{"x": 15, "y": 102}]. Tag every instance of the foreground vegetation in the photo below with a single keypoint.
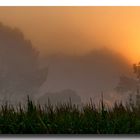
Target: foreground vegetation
[{"x": 69, "y": 119}]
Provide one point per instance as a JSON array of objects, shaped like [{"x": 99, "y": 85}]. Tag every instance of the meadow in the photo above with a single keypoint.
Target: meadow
[{"x": 68, "y": 118}]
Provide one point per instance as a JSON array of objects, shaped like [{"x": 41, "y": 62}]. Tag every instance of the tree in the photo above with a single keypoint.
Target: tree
[
  {"x": 20, "y": 73},
  {"x": 126, "y": 84}
]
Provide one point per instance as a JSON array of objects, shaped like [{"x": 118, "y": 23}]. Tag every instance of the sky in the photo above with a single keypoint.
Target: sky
[{"x": 78, "y": 30}]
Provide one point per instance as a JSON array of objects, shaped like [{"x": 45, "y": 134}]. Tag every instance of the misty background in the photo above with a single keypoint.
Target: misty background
[{"x": 61, "y": 58}]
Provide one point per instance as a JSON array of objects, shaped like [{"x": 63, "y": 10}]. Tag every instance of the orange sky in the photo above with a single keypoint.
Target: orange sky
[{"x": 78, "y": 29}]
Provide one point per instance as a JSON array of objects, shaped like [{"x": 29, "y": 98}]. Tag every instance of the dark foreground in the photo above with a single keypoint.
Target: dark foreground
[{"x": 68, "y": 119}]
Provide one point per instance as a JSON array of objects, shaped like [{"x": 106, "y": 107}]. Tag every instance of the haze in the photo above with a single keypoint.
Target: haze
[
  {"x": 86, "y": 49},
  {"x": 78, "y": 30}
]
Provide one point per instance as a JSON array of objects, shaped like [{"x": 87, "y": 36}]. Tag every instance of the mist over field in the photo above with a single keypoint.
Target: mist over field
[
  {"x": 63, "y": 55},
  {"x": 90, "y": 74},
  {"x": 57, "y": 76}
]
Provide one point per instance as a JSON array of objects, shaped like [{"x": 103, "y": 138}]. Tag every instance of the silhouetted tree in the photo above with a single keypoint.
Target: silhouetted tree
[
  {"x": 126, "y": 84},
  {"x": 20, "y": 73}
]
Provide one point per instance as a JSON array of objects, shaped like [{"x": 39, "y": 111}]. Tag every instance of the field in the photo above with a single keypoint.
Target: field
[{"x": 69, "y": 119}]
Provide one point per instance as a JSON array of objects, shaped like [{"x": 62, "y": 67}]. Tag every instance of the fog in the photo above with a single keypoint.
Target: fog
[
  {"x": 49, "y": 52},
  {"x": 89, "y": 75},
  {"x": 84, "y": 76}
]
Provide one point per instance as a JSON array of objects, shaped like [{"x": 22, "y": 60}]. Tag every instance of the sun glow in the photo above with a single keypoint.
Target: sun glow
[{"x": 79, "y": 29}]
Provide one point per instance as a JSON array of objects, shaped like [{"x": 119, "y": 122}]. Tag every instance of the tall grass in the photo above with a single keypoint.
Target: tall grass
[{"x": 67, "y": 118}]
